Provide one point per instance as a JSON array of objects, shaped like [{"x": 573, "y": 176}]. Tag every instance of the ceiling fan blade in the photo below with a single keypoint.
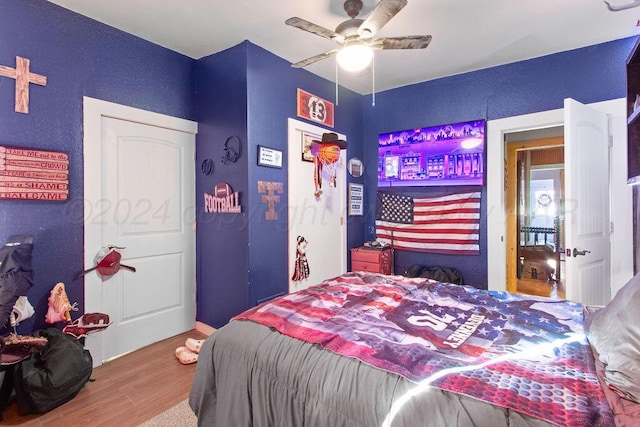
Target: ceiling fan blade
[
  {"x": 314, "y": 29},
  {"x": 384, "y": 11},
  {"x": 404, "y": 42},
  {"x": 316, "y": 58}
]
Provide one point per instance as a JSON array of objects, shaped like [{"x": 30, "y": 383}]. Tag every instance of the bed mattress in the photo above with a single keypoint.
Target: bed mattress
[{"x": 251, "y": 375}]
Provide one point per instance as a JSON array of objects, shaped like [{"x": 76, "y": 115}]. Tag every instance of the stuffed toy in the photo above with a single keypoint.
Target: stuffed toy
[{"x": 59, "y": 306}]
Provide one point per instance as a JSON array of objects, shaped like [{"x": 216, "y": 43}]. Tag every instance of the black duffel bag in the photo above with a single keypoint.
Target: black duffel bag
[
  {"x": 52, "y": 376},
  {"x": 442, "y": 273}
]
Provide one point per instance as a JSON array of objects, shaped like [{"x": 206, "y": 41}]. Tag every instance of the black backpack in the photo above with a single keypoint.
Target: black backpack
[
  {"x": 442, "y": 273},
  {"x": 53, "y": 375}
]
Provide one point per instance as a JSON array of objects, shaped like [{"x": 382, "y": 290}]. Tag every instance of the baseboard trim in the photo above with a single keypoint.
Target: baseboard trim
[{"x": 204, "y": 328}]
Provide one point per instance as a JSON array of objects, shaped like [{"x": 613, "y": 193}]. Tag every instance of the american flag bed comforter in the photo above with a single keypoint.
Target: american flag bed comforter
[{"x": 519, "y": 352}]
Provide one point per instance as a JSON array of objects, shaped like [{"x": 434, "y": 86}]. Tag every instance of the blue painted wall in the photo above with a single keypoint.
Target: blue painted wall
[
  {"x": 591, "y": 74},
  {"x": 272, "y": 94},
  {"x": 80, "y": 57},
  {"x": 221, "y": 238},
  {"x": 248, "y": 92}
]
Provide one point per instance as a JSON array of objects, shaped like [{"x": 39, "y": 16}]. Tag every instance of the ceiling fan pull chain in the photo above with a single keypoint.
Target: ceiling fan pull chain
[
  {"x": 336, "y": 83},
  {"x": 373, "y": 80}
]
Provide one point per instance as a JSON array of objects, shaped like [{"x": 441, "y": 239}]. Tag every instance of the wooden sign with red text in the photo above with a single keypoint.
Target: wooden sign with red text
[
  {"x": 33, "y": 174},
  {"x": 314, "y": 108}
]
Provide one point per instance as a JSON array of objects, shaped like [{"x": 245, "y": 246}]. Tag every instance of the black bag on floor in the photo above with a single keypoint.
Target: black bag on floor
[
  {"x": 53, "y": 375},
  {"x": 443, "y": 274},
  {"x": 413, "y": 271}
]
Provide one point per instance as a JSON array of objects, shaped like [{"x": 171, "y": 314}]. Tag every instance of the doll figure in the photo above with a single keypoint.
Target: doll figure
[{"x": 301, "y": 270}]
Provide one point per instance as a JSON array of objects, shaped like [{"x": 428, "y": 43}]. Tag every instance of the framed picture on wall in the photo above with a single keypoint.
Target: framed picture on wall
[
  {"x": 269, "y": 157},
  {"x": 356, "y": 193},
  {"x": 306, "y": 145},
  {"x": 355, "y": 167}
]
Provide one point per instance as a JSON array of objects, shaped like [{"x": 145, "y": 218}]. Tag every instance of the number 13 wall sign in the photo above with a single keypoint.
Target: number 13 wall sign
[{"x": 314, "y": 108}]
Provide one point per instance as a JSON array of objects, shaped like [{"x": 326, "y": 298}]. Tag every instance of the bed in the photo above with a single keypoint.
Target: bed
[{"x": 365, "y": 349}]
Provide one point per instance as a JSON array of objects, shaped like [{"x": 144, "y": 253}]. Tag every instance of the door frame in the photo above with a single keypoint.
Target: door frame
[
  {"x": 93, "y": 112},
  {"x": 511, "y": 181},
  {"x": 620, "y": 204}
]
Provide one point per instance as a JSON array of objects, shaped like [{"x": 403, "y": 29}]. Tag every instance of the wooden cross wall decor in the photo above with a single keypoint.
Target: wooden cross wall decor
[{"x": 23, "y": 77}]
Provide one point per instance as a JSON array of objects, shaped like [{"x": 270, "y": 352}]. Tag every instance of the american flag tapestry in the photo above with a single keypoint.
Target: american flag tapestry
[
  {"x": 443, "y": 224},
  {"x": 521, "y": 352}
]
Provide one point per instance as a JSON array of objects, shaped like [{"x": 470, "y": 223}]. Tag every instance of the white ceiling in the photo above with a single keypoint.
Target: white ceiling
[{"x": 467, "y": 34}]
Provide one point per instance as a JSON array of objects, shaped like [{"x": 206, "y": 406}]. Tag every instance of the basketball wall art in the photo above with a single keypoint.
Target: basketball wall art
[{"x": 222, "y": 200}]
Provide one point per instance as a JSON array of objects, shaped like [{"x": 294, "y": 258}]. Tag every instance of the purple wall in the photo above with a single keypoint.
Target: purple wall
[
  {"x": 221, "y": 238},
  {"x": 591, "y": 74},
  {"x": 248, "y": 92},
  {"x": 79, "y": 57},
  {"x": 271, "y": 103}
]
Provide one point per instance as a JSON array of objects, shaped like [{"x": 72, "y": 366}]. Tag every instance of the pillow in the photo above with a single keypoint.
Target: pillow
[{"x": 614, "y": 332}]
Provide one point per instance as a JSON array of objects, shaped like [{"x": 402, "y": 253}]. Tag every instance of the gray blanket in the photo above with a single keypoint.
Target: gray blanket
[{"x": 249, "y": 375}]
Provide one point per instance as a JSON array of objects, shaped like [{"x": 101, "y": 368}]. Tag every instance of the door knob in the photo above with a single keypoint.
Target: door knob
[{"x": 576, "y": 252}]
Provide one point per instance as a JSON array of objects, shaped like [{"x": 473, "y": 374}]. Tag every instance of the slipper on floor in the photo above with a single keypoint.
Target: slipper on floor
[
  {"x": 186, "y": 356},
  {"x": 194, "y": 344}
]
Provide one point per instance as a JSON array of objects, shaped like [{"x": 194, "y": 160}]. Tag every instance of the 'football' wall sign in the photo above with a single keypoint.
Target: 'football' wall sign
[
  {"x": 314, "y": 108},
  {"x": 223, "y": 200}
]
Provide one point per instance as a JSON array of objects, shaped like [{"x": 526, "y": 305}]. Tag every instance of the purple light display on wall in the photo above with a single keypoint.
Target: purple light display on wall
[{"x": 451, "y": 154}]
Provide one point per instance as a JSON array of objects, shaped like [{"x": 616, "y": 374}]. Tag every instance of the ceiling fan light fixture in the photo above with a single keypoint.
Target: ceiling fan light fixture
[{"x": 355, "y": 56}]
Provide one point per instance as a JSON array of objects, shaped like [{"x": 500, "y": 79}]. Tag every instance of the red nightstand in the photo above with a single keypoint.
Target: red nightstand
[{"x": 373, "y": 260}]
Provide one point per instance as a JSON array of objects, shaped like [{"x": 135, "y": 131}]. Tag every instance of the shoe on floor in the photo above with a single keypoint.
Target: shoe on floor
[
  {"x": 194, "y": 344},
  {"x": 186, "y": 356}
]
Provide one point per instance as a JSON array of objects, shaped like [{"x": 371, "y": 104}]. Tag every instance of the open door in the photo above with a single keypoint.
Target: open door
[
  {"x": 586, "y": 205},
  {"x": 319, "y": 220}
]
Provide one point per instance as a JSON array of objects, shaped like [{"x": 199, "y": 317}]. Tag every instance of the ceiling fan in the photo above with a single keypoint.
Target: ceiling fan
[{"x": 356, "y": 36}]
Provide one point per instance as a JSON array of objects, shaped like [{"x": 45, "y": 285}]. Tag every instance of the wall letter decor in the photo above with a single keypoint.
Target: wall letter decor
[{"x": 270, "y": 199}]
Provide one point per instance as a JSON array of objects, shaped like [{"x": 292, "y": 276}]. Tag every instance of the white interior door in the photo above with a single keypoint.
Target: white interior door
[
  {"x": 320, "y": 220},
  {"x": 139, "y": 194},
  {"x": 587, "y": 223}
]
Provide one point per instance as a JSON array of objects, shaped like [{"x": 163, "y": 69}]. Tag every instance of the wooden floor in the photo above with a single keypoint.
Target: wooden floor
[
  {"x": 540, "y": 288},
  {"x": 126, "y": 392}
]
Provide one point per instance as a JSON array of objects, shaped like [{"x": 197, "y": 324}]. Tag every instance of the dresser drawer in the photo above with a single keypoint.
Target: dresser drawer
[
  {"x": 372, "y": 260},
  {"x": 371, "y": 267},
  {"x": 365, "y": 255}
]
